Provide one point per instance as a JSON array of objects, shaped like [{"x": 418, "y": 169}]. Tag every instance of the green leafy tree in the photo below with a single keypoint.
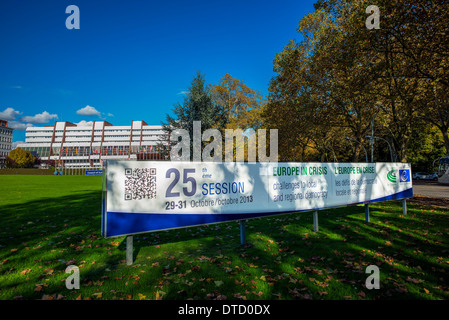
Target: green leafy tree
[
  {"x": 426, "y": 145},
  {"x": 198, "y": 105}
]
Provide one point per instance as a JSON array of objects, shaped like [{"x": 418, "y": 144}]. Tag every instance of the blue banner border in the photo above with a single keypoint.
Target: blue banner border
[{"x": 115, "y": 224}]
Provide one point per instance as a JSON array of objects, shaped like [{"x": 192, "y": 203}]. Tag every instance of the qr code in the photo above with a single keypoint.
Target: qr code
[{"x": 140, "y": 183}]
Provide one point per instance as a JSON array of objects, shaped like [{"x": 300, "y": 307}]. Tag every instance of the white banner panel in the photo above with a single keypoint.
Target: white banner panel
[{"x": 142, "y": 196}]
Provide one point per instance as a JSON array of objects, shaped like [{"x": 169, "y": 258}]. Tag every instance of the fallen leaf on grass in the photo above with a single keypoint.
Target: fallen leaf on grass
[
  {"x": 159, "y": 295},
  {"x": 307, "y": 296},
  {"x": 259, "y": 294},
  {"x": 52, "y": 296},
  {"x": 141, "y": 296},
  {"x": 409, "y": 279},
  {"x": 239, "y": 296},
  {"x": 25, "y": 271},
  {"x": 49, "y": 271},
  {"x": 218, "y": 283},
  {"x": 98, "y": 295},
  {"x": 38, "y": 288},
  {"x": 98, "y": 283},
  {"x": 401, "y": 290}
]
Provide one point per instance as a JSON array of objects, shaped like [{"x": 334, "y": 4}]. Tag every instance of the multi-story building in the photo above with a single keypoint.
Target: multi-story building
[
  {"x": 78, "y": 146},
  {"x": 5, "y": 141}
]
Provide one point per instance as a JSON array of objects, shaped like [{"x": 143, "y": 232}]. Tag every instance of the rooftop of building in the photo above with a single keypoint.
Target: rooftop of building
[
  {"x": 4, "y": 124},
  {"x": 98, "y": 125}
]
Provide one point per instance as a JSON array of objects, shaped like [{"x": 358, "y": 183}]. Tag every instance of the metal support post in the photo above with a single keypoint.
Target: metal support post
[
  {"x": 129, "y": 250},
  {"x": 366, "y": 212},
  {"x": 315, "y": 221},
  {"x": 242, "y": 232},
  {"x": 404, "y": 207}
]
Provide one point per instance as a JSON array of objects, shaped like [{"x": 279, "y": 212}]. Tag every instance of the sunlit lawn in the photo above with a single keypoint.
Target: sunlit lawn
[{"x": 50, "y": 222}]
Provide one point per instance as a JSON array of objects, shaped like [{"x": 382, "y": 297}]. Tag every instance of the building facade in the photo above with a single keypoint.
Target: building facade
[
  {"x": 82, "y": 146},
  {"x": 5, "y": 141}
]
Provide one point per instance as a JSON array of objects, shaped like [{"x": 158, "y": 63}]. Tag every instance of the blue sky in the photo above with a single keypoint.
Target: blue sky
[{"x": 131, "y": 60}]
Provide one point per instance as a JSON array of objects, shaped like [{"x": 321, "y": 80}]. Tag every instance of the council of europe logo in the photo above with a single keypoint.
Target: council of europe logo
[{"x": 404, "y": 175}]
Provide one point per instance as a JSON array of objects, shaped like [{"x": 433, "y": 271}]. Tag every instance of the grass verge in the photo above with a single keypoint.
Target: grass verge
[{"x": 50, "y": 222}]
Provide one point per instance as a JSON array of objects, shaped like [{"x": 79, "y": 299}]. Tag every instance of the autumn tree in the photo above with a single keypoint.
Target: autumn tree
[
  {"x": 413, "y": 45},
  {"x": 241, "y": 105},
  {"x": 434, "y": 108},
  {"x": 343, "y": 79},
  {"x": 19, "y": 158},
  {"x": 288, "y": 108},
  {"x": 242, "y": 108},
  {"x": 325, "y": 83}
]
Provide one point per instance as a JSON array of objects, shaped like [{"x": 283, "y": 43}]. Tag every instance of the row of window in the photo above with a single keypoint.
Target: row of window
[
  {"x": 96, "y": 136},
  {"x": 6, "y": 131},
  {"x": 84, "y": 151},
  {"x": 5, "y": 146}
]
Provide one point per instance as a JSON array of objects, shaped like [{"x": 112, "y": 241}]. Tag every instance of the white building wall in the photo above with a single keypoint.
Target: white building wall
[{"x": 72, "y": 144}]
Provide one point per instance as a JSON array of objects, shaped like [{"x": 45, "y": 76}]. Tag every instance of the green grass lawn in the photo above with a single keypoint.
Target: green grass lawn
[{"x": 50, "y": 222}]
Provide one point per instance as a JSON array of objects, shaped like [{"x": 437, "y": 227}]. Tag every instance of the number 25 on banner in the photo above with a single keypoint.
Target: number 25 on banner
[{"x": 185, "y": 179}]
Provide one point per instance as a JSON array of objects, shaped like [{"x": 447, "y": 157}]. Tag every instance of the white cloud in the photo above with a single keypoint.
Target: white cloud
[
  {"x": 88, "y": 111},
  {"x": 19, "y": 126},
  {"x": 16, "y": 143},
  {"x": 110, "y": 115},
  {"x": 84, "y": 123},
  {"x": 43, "y": 117},
  {"x": 9, "y": 114}
]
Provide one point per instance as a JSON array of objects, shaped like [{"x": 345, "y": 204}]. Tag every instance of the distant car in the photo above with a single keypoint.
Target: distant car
[
  {"x": 425, "y": 176},
  {"x": 434, "y": 176}
]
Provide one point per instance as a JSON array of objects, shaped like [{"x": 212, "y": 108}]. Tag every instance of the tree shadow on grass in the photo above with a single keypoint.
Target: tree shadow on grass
[
  {"x": 40, "y": 238},
  {"x": 284, "y": 258}
]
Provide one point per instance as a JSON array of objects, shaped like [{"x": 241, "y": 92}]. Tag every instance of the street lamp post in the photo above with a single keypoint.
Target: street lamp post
[
  {"x": 372, "y": 140},
  {"x": 366, "y": 154},
  {"x": 366, "y": 157},
  {"x": 389, "y": 146}
]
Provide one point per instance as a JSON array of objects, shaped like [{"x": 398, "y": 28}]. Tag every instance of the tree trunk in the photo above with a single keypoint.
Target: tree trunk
[
  {"x": 356, "y": 152},
  {"x": 446, "y": 141}
]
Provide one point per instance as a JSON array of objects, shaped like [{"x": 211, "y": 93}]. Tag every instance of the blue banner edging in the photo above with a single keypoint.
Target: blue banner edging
[{"x": 125, "y": 223}]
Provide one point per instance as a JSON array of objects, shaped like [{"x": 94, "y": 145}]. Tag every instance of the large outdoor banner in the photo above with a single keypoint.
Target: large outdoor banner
[{"x": 142, "y": 196}]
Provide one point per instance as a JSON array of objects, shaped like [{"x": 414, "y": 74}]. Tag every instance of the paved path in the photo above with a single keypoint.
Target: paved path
[{"x": 431, "y": 189}]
